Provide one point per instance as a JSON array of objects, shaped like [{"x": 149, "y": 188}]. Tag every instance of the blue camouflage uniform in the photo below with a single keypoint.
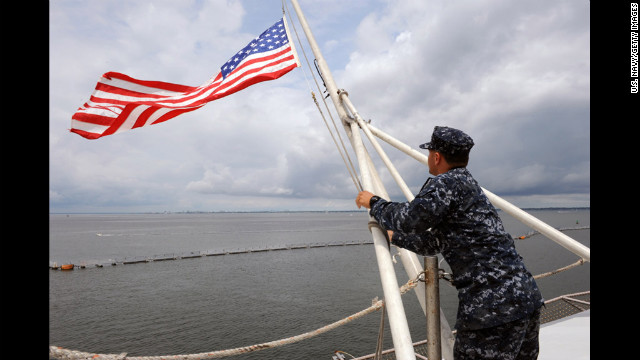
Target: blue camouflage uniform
[{"x": 451, "y": 215}]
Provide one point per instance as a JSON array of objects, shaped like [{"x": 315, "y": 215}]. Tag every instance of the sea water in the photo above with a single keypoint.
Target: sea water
[{"x": 210, "y": 303}]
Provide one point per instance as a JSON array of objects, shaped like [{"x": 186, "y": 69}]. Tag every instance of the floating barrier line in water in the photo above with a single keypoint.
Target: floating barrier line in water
[
  {"x": 192, "y": 255},
  {"x": 58, "y": 352},
  {"x": 198, "y": 254}
]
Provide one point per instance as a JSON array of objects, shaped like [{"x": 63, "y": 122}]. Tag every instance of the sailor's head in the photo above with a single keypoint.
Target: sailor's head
[
  {"x": 449, "y": 141},
  {"x": 451, "y": 144}
]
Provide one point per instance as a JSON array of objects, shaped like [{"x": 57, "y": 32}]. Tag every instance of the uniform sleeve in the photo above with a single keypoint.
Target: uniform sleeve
[
  {"x": 423, "y": 244},
  {"x": 415, "y": 223},
  {"x": 427, "y": 210}
]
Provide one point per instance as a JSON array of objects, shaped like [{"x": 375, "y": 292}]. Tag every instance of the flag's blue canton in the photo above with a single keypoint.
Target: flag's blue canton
[{"x": 274, "y": 37}]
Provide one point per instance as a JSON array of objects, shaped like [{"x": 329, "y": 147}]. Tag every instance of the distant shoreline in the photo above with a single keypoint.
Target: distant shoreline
[{"x": 270, "y": 211}]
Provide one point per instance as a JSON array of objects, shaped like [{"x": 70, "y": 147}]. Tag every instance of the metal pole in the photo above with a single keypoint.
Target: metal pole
[
  {"x": 545, "y": 229},
  {"x": 322, "y": 63},
  {"x": 397, "y": 319},
  {"x": 432, "y": 294},
  {"x": 394, "y": 173},
  {"x": 522, "y": 216},
  {"x": 409, "y": 259}
]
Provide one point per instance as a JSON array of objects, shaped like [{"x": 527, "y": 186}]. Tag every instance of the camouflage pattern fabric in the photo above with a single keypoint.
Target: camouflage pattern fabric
[
  {"x": 449, "y": 140},
  {"x": 516, "y": 340},
  {"x": 451, "y": 215}
]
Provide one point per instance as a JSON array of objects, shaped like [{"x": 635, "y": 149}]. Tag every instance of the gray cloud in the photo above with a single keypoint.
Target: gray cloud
[{"x": 515, "y": 76}]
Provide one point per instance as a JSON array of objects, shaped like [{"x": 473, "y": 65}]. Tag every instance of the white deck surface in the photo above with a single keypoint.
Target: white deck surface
[{"x": 566, "y": 339}]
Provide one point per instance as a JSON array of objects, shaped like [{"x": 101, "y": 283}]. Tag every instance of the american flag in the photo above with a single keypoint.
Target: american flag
[{"x": 120, "y": 102}]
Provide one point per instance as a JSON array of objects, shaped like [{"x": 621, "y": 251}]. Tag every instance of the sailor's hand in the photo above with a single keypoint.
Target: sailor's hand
[{"x": 363, "y": 199}]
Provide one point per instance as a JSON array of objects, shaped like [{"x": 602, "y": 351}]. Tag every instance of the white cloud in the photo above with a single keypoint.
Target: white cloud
[{"x": 515, "y": 76}]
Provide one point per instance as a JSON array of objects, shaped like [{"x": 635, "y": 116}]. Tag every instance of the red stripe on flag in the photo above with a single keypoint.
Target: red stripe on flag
[
  {"x": 93, "y": 119},
  {"x": 149, "y": 83},
  {"x": 171, "y": 99},
  {"x": 117, "y": 122},
  {"x": 255, "y": 79},
  {"x": 126, "y": 92},
  {"x": 142, "y": 118},
  {"x": 85, "y": 134},
  {"x": 173, "y": 113}
]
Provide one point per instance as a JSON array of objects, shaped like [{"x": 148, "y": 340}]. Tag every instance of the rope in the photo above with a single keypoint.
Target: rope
[
  {"x": 532, "y": 233},
  {"x": 343, "y": 151},
  {"x": 61, "y": 353},
  {"x": 58, "y": 352},
  {"x": 379, "y": 344},
  {"x": 67, "y": 354},
  {"x": 348, "y": 165},
  {"x": 559, "y": 270},
  {"x": 570, "y": 266}
]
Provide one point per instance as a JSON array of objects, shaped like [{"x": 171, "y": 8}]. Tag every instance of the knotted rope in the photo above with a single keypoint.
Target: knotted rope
[{"x": 66, "y": 354}]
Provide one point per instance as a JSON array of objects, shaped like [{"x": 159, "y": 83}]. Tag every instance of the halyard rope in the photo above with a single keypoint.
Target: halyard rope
[{"x": 342, "y": 150}]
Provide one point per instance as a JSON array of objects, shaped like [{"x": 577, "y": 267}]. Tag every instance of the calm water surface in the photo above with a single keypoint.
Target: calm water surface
[{"x": 219, "y": 302}]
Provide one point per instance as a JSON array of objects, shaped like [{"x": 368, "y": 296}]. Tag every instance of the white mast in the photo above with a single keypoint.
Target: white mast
[
  {"x": 372, "y": 182},
  {"x": 397, "y": 318}
]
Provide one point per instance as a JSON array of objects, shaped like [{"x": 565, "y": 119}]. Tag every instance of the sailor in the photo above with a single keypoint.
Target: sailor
[{"x": 498, "y": 300}]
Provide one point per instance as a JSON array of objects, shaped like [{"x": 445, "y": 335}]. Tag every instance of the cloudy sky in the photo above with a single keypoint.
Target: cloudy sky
[{"x": 514, "y": 75}]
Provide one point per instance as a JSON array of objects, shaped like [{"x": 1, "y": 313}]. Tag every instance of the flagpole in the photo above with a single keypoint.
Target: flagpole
[{"x": 397, "y": 319}]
